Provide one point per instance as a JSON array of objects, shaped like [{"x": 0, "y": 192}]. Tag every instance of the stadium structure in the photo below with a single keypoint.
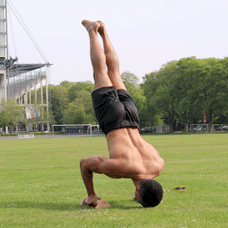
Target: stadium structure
[{"x": 18, "y": 80}]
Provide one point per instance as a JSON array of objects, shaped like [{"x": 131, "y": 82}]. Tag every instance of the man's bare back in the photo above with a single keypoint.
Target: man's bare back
[
  {"x": 137, "y": 159},
  {"x": 130, "y": 156}
]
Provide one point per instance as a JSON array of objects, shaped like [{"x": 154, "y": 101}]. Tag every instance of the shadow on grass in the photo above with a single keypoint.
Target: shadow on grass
[
  {"x": 124, "y": 204},
  {"x": 54, "y": 206}
]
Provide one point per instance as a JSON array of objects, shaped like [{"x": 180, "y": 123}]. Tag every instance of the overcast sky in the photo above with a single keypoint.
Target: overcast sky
[{"x": 145, "y": 34}]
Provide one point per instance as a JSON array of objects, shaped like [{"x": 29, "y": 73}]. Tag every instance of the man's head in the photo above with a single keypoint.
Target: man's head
[{"x": 150, "y": 193}]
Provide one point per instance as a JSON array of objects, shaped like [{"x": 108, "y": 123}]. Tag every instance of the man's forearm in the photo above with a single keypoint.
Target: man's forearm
[{"x": 87, "y": 177}]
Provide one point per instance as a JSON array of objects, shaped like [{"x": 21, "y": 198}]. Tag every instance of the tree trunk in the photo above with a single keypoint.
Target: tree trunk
[
  {"x": 171, "y": 126},
  {"x": 210, "y": 120},
  {"x": 186, "y": 121},
  {"x": 173, "y": 119}
]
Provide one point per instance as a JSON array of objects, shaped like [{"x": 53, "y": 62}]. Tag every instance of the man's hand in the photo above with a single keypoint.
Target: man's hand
[
  {"x": 96, "y": 202},
  {"x": 134, "y": 197},
  {"x": 89, "y": 166},
  {"x": 91, "y": 201}
]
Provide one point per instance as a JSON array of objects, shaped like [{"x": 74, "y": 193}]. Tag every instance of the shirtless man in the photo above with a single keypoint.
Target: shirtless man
[{"x": 130, "y": 156}]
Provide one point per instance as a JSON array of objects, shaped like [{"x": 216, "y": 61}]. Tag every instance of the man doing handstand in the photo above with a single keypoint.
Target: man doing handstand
[{"x": 130, "y": 156}]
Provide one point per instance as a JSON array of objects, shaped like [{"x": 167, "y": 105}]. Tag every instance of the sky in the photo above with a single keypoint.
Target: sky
[{"x": 145, "y": 34}]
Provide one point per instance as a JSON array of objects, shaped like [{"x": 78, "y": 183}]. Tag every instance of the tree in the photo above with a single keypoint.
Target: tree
[
  {"x": 214, "y": 88},
  {"x": 85, "y": 98},
  {"x": 182, "y": 90},
  {"x": 130, "y": 79},
  {"x": 59, "y": 102},
  {"x": 80, "y": 110},
  {"x": 203, "y": 84},
  {"x": 132, "y": 84},
  {"x": 77, "y": 87},
  {"x": 188, "y": 72},
  {"x": 11, "y": 113},
  {"x": 75, "y": 113},
  {"x": 160, "y": 93},
  {"x": 151, "y": 115}
]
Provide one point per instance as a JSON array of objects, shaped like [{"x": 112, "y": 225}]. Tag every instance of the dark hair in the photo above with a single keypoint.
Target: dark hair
[{"x": 151, "y": 193}]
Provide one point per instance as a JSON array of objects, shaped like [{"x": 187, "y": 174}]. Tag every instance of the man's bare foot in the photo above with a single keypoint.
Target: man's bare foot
[
  {"x": 101, "y": 29},
  {"x": 91, "y": 25}
]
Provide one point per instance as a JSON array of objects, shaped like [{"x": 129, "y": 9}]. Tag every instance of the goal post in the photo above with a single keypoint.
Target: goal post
[
  {"x": 76, "y": 130},
  {"x": 199, "y": 128}
]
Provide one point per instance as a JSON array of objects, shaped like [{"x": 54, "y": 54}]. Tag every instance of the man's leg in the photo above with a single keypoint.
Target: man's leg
[
  {"x": 111, "y": 59},
  {"x": 97, "y": 55}
]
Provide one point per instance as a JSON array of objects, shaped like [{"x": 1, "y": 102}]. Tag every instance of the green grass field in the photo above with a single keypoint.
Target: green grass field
[{"x": 41, "y": 186}]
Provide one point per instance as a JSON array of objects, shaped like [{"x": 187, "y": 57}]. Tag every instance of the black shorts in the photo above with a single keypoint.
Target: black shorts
[{"x": 114, "y": 109}]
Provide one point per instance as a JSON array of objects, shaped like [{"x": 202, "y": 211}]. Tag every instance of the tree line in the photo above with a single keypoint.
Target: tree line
[
  {"x": 181, "y": 91},
  {"x": 175, "y": 95}
]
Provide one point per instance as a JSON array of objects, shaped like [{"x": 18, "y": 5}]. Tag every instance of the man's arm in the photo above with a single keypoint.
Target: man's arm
[
  {"x": 88, "y": 166},
  {"x": 114, "y": 168}
]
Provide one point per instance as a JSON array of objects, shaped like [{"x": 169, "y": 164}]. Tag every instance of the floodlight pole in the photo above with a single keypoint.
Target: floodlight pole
[{"x": 3, "y": 44}]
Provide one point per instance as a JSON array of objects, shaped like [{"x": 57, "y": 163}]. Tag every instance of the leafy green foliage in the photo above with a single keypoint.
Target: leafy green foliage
[
  {"x": 11, "y": 113},
  {"x": 76, "y": 88},
  {"x": 182, "y": 90},
  {"x": 71, "y": 103},
  {"x": 175, "y": 95},
  {"x": 59, "y": 102},
  {"x": 132, "y": 84}
]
